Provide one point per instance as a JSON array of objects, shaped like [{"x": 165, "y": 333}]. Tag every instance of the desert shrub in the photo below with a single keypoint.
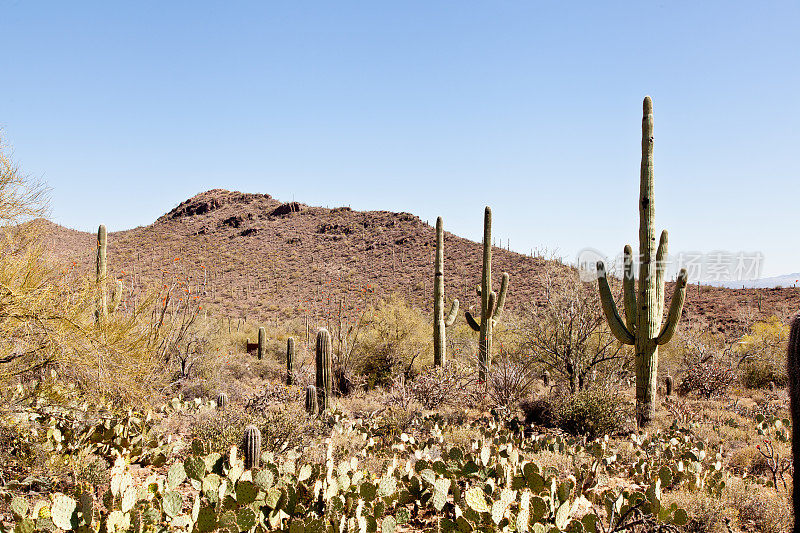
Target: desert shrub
[
  {"x": 709, "y": 367},
  {"x": 395, "y": 339},
  {"x": 437, "y": 386},
  {"x": 760, "y": 508},
  {"x": 539, "y": 411},
  {"x": 510, "y": 379},
  {"x": 762, "y": 353},
  {"x": 591, "y": 412},
  {"x": 707, "y": 513},
  {"x": 281, "y": 427}
]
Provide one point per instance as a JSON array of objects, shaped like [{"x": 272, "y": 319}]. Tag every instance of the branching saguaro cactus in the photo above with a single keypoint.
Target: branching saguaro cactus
[
  {"x": 644, "y": 311},
  {"x": 440, "y": 323},
  {"x": 101, "y": 271},
  {"x": 793, "y": 370},
  {"x": 251, "y": 447},
  {"x": 290, "y": 360},
  {"x": 323, "y": 366},
  {"x": 262, "y": 342},
  {"x": 491, "y": 302}
]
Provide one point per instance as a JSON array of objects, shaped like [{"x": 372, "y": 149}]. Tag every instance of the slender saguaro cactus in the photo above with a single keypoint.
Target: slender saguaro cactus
[
  {"x": 289, "y": 360},
  {"x": 101, "y": 272},
  {"x": 793, "y": 370},
  {"x": 262, "y": 341},
  {"x": 440, "y": 323},
  {"x": 311, "y": 400},
  {"x": 491, "y": 302},
  {"x": 251, "y": 446},
  {"x": 222, "y": 401},
  {"x": 323, "y": 364},
  {"x": 644, "y": 311},
  {"x": 668, "y": 383}
]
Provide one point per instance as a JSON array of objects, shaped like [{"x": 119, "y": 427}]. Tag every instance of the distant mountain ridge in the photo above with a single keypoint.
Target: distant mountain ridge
[
  {"x": 783, "y": 281},
  {"x": 253, "y": 256}
]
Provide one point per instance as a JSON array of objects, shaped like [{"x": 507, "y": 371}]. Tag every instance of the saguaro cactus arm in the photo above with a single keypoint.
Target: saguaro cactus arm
[
  {"x": 629, "y": 289},
  {"x": 471, "y": 321},
  {"x": 675, "y": 309},
  {"x": 610, "y": 308},
  {"x": 451, "y": 316},
  {"x": 501, "y": 298},
  {"x": 661, "y": 268}
]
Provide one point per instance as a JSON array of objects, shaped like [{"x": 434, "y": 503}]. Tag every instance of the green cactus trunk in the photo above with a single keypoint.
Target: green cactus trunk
[
  {"x": 262, "y": 342},
  {"x": 793, "y": 369},
  {"x": 668, "y": 383},
  {"x": 251, "y": 447},
  {"x": 222, "y": 401},
  {"x": 311, "y": 400},
  {"x": 644, "y": 311},
  {"x": 323, "y": 366},
  {"x": 290, "y": 361},
  {"x": 491, "y": 303},
  {"x": 440, "y": 323},
  {"x": 101, "y": 271}
]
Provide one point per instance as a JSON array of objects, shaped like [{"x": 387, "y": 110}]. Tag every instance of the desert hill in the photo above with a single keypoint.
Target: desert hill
[{"x": 252, "y": 256}]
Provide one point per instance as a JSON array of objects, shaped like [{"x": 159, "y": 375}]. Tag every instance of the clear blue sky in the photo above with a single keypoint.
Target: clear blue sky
[{"x": 437, "y": 108}]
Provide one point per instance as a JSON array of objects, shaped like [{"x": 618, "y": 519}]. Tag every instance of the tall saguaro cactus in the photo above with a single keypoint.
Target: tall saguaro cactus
[
  {"x": 262, "y": 342},
  {"x": 440, "y": 323},
  {"x": 290, "y": 360},
  {"x": 323, "y": 366},
  {"x": 101, "y": 271},
  {"x": 644, "y": 310},
  {"x": 491, "y": 302},
  {"x": 793, "y": 370}
]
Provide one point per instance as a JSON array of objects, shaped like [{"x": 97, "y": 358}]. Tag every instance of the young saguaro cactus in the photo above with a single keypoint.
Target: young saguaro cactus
[
  {"x": 323, "y": 366},
  {"x": 793, "y": 370},
  {"x": 491, "y": 302},
  {"x": 440, "y": 323},
  {"x": 311, "y": 400},
  {"x": 262, "y": 342},
  {"x": 290, "y": 360},
  {"x": 101, "y": 271},
  {"x": 222, "y": 401},
  {"x": 251, "y": 447},
  {"x": 644, "y": 311}
]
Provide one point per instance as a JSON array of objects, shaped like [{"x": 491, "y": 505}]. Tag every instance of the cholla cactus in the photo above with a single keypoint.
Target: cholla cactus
[
  {"x": 251, "y": 446},
  {"x": 290, "y": 360},
  {"x": 311, "y": 400},
  {"x": 491, "y": 302},
  {"x": 644, "y": 311},
  {"x": 323, "y": 366},
  {"x": 262, "y": 342},
  {"x": 793, "y": 369},
  {"x": 222, "y": 401},
  {"x": 440, "y": 323}
]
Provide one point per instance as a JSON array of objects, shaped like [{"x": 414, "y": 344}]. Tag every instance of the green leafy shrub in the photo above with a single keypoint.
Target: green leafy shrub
[{"x": 592, "y": 412}]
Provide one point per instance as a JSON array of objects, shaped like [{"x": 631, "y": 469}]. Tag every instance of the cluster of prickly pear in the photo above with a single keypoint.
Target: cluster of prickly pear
[
  {"x": 290, "y": 361},
  {"x": 323, "y": 368},
  {"x": 491, "y": 302},
  {"x": 440, "y": 323}
]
